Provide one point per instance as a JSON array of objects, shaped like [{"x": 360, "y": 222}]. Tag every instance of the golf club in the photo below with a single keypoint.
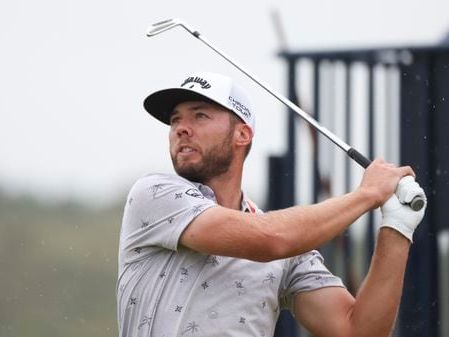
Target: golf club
[{"x": 416, "y": 204}]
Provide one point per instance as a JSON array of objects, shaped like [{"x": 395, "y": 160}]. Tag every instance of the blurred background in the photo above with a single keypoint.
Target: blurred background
[{"x": 74, "y": 135}]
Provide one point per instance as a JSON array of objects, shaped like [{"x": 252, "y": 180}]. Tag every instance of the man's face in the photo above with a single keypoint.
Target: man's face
[{"x": 200, "y": 140}]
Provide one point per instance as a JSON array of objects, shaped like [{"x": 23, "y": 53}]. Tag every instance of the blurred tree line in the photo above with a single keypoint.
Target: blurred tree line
[{"x": 58, "y": 265}]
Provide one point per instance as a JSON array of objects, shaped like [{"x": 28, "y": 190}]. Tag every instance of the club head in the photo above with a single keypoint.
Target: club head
[{"x": 162, "y": 26}]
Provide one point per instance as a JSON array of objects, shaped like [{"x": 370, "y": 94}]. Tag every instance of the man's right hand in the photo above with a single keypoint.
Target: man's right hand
[
  {"x": 397, "y": 213},
  {"x": 381, "y": 179}
]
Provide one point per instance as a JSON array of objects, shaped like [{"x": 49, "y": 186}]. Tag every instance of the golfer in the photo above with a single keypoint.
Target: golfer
[{"x": 198, "y": 258}]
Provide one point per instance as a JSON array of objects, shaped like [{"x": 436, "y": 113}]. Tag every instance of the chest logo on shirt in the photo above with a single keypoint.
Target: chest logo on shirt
[{"x": 193, "y": 192}]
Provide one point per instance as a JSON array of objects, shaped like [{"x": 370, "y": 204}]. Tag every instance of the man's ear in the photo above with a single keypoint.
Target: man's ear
[{"x": 243, "y": 134}]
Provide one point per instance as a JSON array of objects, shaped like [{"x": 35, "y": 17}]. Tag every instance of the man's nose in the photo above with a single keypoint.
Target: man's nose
[{"x": 183, "y": 128}]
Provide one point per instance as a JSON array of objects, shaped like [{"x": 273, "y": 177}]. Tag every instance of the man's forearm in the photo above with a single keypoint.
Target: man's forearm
[
  {"x": 303, "y": 228},
  {"x": 377, "y": 301}
]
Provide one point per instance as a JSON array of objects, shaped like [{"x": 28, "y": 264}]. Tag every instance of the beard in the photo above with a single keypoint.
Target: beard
[{"x": 216, "y": 160}]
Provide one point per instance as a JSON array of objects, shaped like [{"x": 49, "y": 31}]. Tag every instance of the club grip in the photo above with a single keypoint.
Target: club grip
[
  {"x": 416, "y": 204},
  {"x": 358, "y": 157}
]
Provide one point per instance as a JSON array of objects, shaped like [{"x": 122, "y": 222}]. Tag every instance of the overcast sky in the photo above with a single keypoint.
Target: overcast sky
[{"x": 73, "y": 75}]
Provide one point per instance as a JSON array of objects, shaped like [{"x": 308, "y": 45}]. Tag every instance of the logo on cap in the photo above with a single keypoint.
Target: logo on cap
[
  {"x": 201, "y": 81},
  {"x": 239, "y": 107}
]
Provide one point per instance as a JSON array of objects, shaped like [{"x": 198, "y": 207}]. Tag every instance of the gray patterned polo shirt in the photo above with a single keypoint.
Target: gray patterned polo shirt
[{"x": 167, "y": 290}]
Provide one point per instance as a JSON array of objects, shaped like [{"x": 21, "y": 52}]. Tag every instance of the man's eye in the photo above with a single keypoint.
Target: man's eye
[
  {"x": 201, "y": 115},
  {"x": 174, "y": 120}
]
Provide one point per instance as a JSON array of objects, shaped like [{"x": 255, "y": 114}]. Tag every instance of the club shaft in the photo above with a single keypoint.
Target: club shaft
[
  {"x": 416, "y": 204},
  {"x": 357, "y": 156}
]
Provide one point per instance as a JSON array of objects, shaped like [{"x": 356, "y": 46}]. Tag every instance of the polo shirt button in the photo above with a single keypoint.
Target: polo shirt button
[{"x": 213, "y": 314}]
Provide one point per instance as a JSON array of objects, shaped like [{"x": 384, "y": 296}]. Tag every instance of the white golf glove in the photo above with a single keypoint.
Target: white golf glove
[{"x": 397, "y": 214}]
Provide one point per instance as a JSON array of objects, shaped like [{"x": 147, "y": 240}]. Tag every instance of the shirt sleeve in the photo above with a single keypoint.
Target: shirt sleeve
[
  {"x": 158, "y": 209},
  {"x": 305, "y": 272}
]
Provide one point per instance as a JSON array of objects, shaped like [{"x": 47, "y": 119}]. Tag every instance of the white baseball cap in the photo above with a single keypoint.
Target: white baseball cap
[{"x": 213, "y": 87}]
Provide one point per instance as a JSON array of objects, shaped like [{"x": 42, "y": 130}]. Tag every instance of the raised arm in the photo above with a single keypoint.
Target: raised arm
[
  {"x": 333, "y": 312},
  {"x": 373, "y": 312},
  {"x": 292, "y": 231}
]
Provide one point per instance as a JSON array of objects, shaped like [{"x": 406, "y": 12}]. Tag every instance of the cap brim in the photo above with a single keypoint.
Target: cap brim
[{"x": 161, "y": 104}]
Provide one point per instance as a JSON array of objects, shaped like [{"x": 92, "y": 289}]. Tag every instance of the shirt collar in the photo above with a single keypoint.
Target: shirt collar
[
  {"x": 206, "y": 191},
  {"x": 246, "y": 206}
]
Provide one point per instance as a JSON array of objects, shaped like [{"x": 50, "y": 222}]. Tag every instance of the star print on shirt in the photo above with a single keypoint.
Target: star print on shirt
[
  {"x": 184, "y": 274},
  {"x": 240, "y": 288},
  {"x": 178, "y": 308},
  {"x": 138, "y": 250},
  {"x": 192, "y": 327},
  {"x": 197, "y": 209},
  {"x": 145, "y": 321},
  {"x": 154, "y": 189},
  {"x": 144, "y": 223},
  {"x": 269, "y": 278},
  {"x": 205, "y": 285},
  {"x": 320, "y": 280},
  {"x": 178, "y": 195},
  {"x": 170, "y": 220},
  {"x": 213, "y": 260},
  {"x": 133, "y": 301},
  {"x": 242, "y": 320}
]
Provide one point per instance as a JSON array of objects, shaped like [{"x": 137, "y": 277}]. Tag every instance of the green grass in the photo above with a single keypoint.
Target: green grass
[{"x": 58, "y": 269}]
